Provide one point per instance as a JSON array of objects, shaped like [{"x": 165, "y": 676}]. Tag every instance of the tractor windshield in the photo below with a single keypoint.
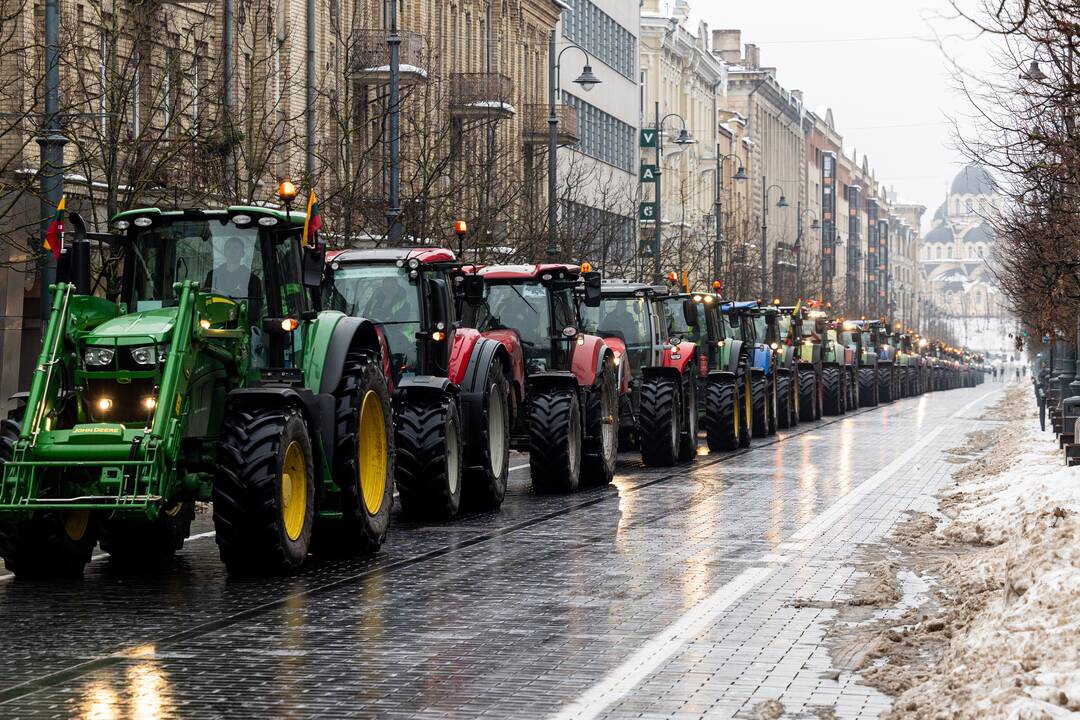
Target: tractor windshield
[
  {"x": 625, "y": 318},
  {"x": 675, "y": 324},
  {"x": 385, "y": 295},
  {"x": 220, "y": 256},
  {"x": 783, "y": 324},
  {"x": 760, "y": 328},
  {"x": 729, "y": 327}
]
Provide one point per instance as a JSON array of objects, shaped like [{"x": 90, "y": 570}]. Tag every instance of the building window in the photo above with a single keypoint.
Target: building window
[
  {"x": 603, "y": 136},
  {"x": 601, "y": 36}
]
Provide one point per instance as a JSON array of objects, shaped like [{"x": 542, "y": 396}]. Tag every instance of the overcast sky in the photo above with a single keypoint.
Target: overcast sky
[{"x": 881, "y": 68}]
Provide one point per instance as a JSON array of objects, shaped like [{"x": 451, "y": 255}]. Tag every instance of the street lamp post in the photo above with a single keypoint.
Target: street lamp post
[
  {"x": 814, "y": 225},
  {"x": 740, "y": 174},
  {"x": 393, "y": 205},
  {"x": 683, "y": 138},
  {"x": 765, "y": 188},
  {"x": 587, "y": 80}
]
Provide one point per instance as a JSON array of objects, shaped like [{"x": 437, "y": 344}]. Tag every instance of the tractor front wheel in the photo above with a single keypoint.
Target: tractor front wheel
[
  {"x": 759, "y": 403},
  {"x": 868, "y": 386},
  {"x": 659, "y": 421},
  {"x": 601, "y": 428},
  {"x": 485, "y": 481},
  {"x": 885, "y": 385},
  {"x": 429, "y": 447},
  {"x": 264, "y": 492},
  {"x": 688, "y": 439},
  {"x": 783, "y": 401},
  {"x": 808, "y": 409},
  {"x": 148, "y": 541},
  {"x": 555, "y": 439},
  {"x": 833, "y": 390}
]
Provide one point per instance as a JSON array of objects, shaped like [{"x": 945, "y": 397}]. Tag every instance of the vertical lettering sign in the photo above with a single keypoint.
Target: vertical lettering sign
[
  {"x": 828, "y": 215},
  {"x": 872, "y": 242},
  {"x": 883, "y": 261},
  {"x": 853, "y": 246}
]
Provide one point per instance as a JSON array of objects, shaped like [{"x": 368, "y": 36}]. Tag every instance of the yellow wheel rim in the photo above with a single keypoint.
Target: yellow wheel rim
[
  {"x": 75, "y": 523},
  {"x": 371, "y": 454},
  {"x": 294, "y": 490}
]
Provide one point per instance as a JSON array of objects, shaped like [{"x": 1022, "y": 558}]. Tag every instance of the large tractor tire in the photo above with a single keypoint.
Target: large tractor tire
[
  {"x": 688, "y": 438},
  {"x": 51, "y": 543},
  {"x": 143, "y": 542},
  {"x": 485, "y": 481},
  {"x": 808, "y": 396},
  {"x": 363, "y": 461},
  {"x": 746, "y": 410},
  {"x": 264, "y": 491},
  {"x": 784, "y": 404},
  {"x": 868, "y": 387},
  {"x": 660, "y": 421},
  {"x": 885, "y": 385},
  {"x": 555, "y": 441},
  {"x": 833, "y": 390},
  {"x": 602, "y": 428},
  {"x": 428, "y": 446},
  {"x": 723, "y": 415},
  {"x": 759, "y": 403}
]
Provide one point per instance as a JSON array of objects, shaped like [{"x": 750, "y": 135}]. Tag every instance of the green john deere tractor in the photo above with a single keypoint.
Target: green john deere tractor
[{"x": 210, "y": 374}]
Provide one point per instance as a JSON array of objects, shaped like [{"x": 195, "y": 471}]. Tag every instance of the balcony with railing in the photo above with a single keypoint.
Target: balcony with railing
[
  {"x": 481, "y": 96},
  {"x": 535, "y": 129},
  {"x": 371, "y": 65}
]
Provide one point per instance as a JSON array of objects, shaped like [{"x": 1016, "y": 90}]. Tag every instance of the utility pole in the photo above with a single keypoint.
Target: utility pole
[
  {"x": 393, "y": 209},
  {"x": 659, "y": 209},
  {"x": 227, "y": 51},
  {"x": 764, "y": 238},
  {"x": 717, "y": 206},
  {"x": 310, "y": 164},
  {"x": 52, "y": 150},
  {"x": 553, "y": 137}
]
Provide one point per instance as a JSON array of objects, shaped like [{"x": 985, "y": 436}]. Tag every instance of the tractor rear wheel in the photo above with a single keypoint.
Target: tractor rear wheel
[
  {"x": 867, "y": 387},
  {"x": 783, "y": 401},
  {"x": 51, "y": 543},
  {"x": 264, "y": 492},
  {"x": 832, "y": 381},
  {"x": 688, "y": 438},
  {"x": 601, "y": 428},
  {"x": 555, "y": 440},
  {"x": 485, "y": 480},
  {"x": 746, "y": 410},
  {"x": 660, "y": 421},
  {"x": 428, "y": 443},
  {"x": 363, "y": 461},
  {"x": 759, "y": 390},
  {"x": 808, "y": 409},
  {"x": 723, "y": 415},
  {"x": 148, "y": 541}
]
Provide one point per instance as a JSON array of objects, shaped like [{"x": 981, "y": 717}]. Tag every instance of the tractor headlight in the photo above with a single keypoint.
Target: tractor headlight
[
  {"x": 98, "y": 356},
  {"x": 145, "y": 355}
]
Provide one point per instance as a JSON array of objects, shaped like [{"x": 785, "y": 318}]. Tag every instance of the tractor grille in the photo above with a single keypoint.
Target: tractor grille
[{"x": 127, "y": 400}]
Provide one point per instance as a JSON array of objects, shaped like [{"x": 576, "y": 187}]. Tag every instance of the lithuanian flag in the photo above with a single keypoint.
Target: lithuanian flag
[
  {"x": 312, "y": 223},
  {"x": 54, "y": 235}
]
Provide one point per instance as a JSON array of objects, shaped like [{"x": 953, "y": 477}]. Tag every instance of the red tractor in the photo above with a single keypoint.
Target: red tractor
[
  {"x": 646, "y": 326},
  {"x": 449, "y": 385},
  {"x": 564, "y": 384}
]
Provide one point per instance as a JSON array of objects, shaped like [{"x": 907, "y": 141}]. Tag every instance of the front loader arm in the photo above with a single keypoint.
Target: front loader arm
[{"x": 43, "y": 384}]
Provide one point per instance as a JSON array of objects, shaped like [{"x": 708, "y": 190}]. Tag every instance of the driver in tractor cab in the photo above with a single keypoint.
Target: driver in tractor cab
[{"x": 235, "y": 279}]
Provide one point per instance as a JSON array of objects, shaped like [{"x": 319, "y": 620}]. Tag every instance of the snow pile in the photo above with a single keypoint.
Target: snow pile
[{"x": 1011, "y": 612}]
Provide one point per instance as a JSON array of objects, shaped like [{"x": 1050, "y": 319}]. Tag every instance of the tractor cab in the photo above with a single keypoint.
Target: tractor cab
[
  {"x": 633, "y": 315},
  {"x": 410, "y": 293}
]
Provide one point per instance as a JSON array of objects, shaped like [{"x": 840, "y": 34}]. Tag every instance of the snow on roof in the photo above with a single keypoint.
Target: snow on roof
[{"x": 402, "y": 68}]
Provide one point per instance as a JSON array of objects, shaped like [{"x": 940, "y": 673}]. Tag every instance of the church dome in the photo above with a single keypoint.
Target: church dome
[
  {"x": 939, "y": 214},
  {"x": 939, "y": 234},
  {"x": 973, "y": 180},
  {"x": 979, "y": 234}
]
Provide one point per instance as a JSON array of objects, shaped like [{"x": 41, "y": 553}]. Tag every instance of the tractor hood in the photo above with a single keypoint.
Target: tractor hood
[{"x": 138, "y": 328}]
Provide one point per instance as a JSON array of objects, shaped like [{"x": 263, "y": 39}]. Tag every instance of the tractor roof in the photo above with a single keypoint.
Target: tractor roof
[
  {"x": 423, "y": 255},
  {"x": 528, "y": 272},
  {"x": 741, "y": 306},
  {"x": 629, "y": 287},
  {"x": 294, "y": 217}
]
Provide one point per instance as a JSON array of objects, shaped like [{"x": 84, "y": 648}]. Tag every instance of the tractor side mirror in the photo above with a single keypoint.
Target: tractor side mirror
[
  {"x": 690, "y": 312},
  {"x": 313, "y": 266},
  {"x": 78, "y": 257},
  {"x": 592, "y": 289},
  {"x": 472, "y": 287}
]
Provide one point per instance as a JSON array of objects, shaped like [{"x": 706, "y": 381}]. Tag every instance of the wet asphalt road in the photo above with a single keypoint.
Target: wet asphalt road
[{"x": 512, "y": 614}]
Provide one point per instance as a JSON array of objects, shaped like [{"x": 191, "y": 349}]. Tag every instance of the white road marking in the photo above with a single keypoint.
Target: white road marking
[
  {"x": 656, "y": 651},
  {"x": 519, "y": 467}
]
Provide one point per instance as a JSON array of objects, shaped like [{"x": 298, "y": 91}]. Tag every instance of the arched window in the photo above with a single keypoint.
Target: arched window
[
  {"x": 967, "y": 206},
  {"x": 939, "y": 252}
]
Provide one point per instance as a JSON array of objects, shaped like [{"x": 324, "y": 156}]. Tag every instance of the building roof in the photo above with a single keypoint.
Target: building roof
[
  {"x": 939, "y": 234},
  {"x": 974, "y": 179},
  {"x": 939, "y": 214},
  {"x": 979, "y": 233}
]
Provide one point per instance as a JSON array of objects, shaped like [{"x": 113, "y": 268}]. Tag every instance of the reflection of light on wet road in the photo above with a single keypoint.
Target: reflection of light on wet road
[
  {"x": 808, "y": 476},
  {"x": 149, "y": 686},
  {"x": 626, "y": 508},
  {"x": 100, "y": 702},
  {"x": 844, "y": 456},
  {"x": 704, "y": 523},
  {"x": 774, "y": 530}
]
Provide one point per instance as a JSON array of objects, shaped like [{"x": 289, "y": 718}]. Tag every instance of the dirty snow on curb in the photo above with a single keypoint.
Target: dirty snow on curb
[{"x": 1015, "y": 647}]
